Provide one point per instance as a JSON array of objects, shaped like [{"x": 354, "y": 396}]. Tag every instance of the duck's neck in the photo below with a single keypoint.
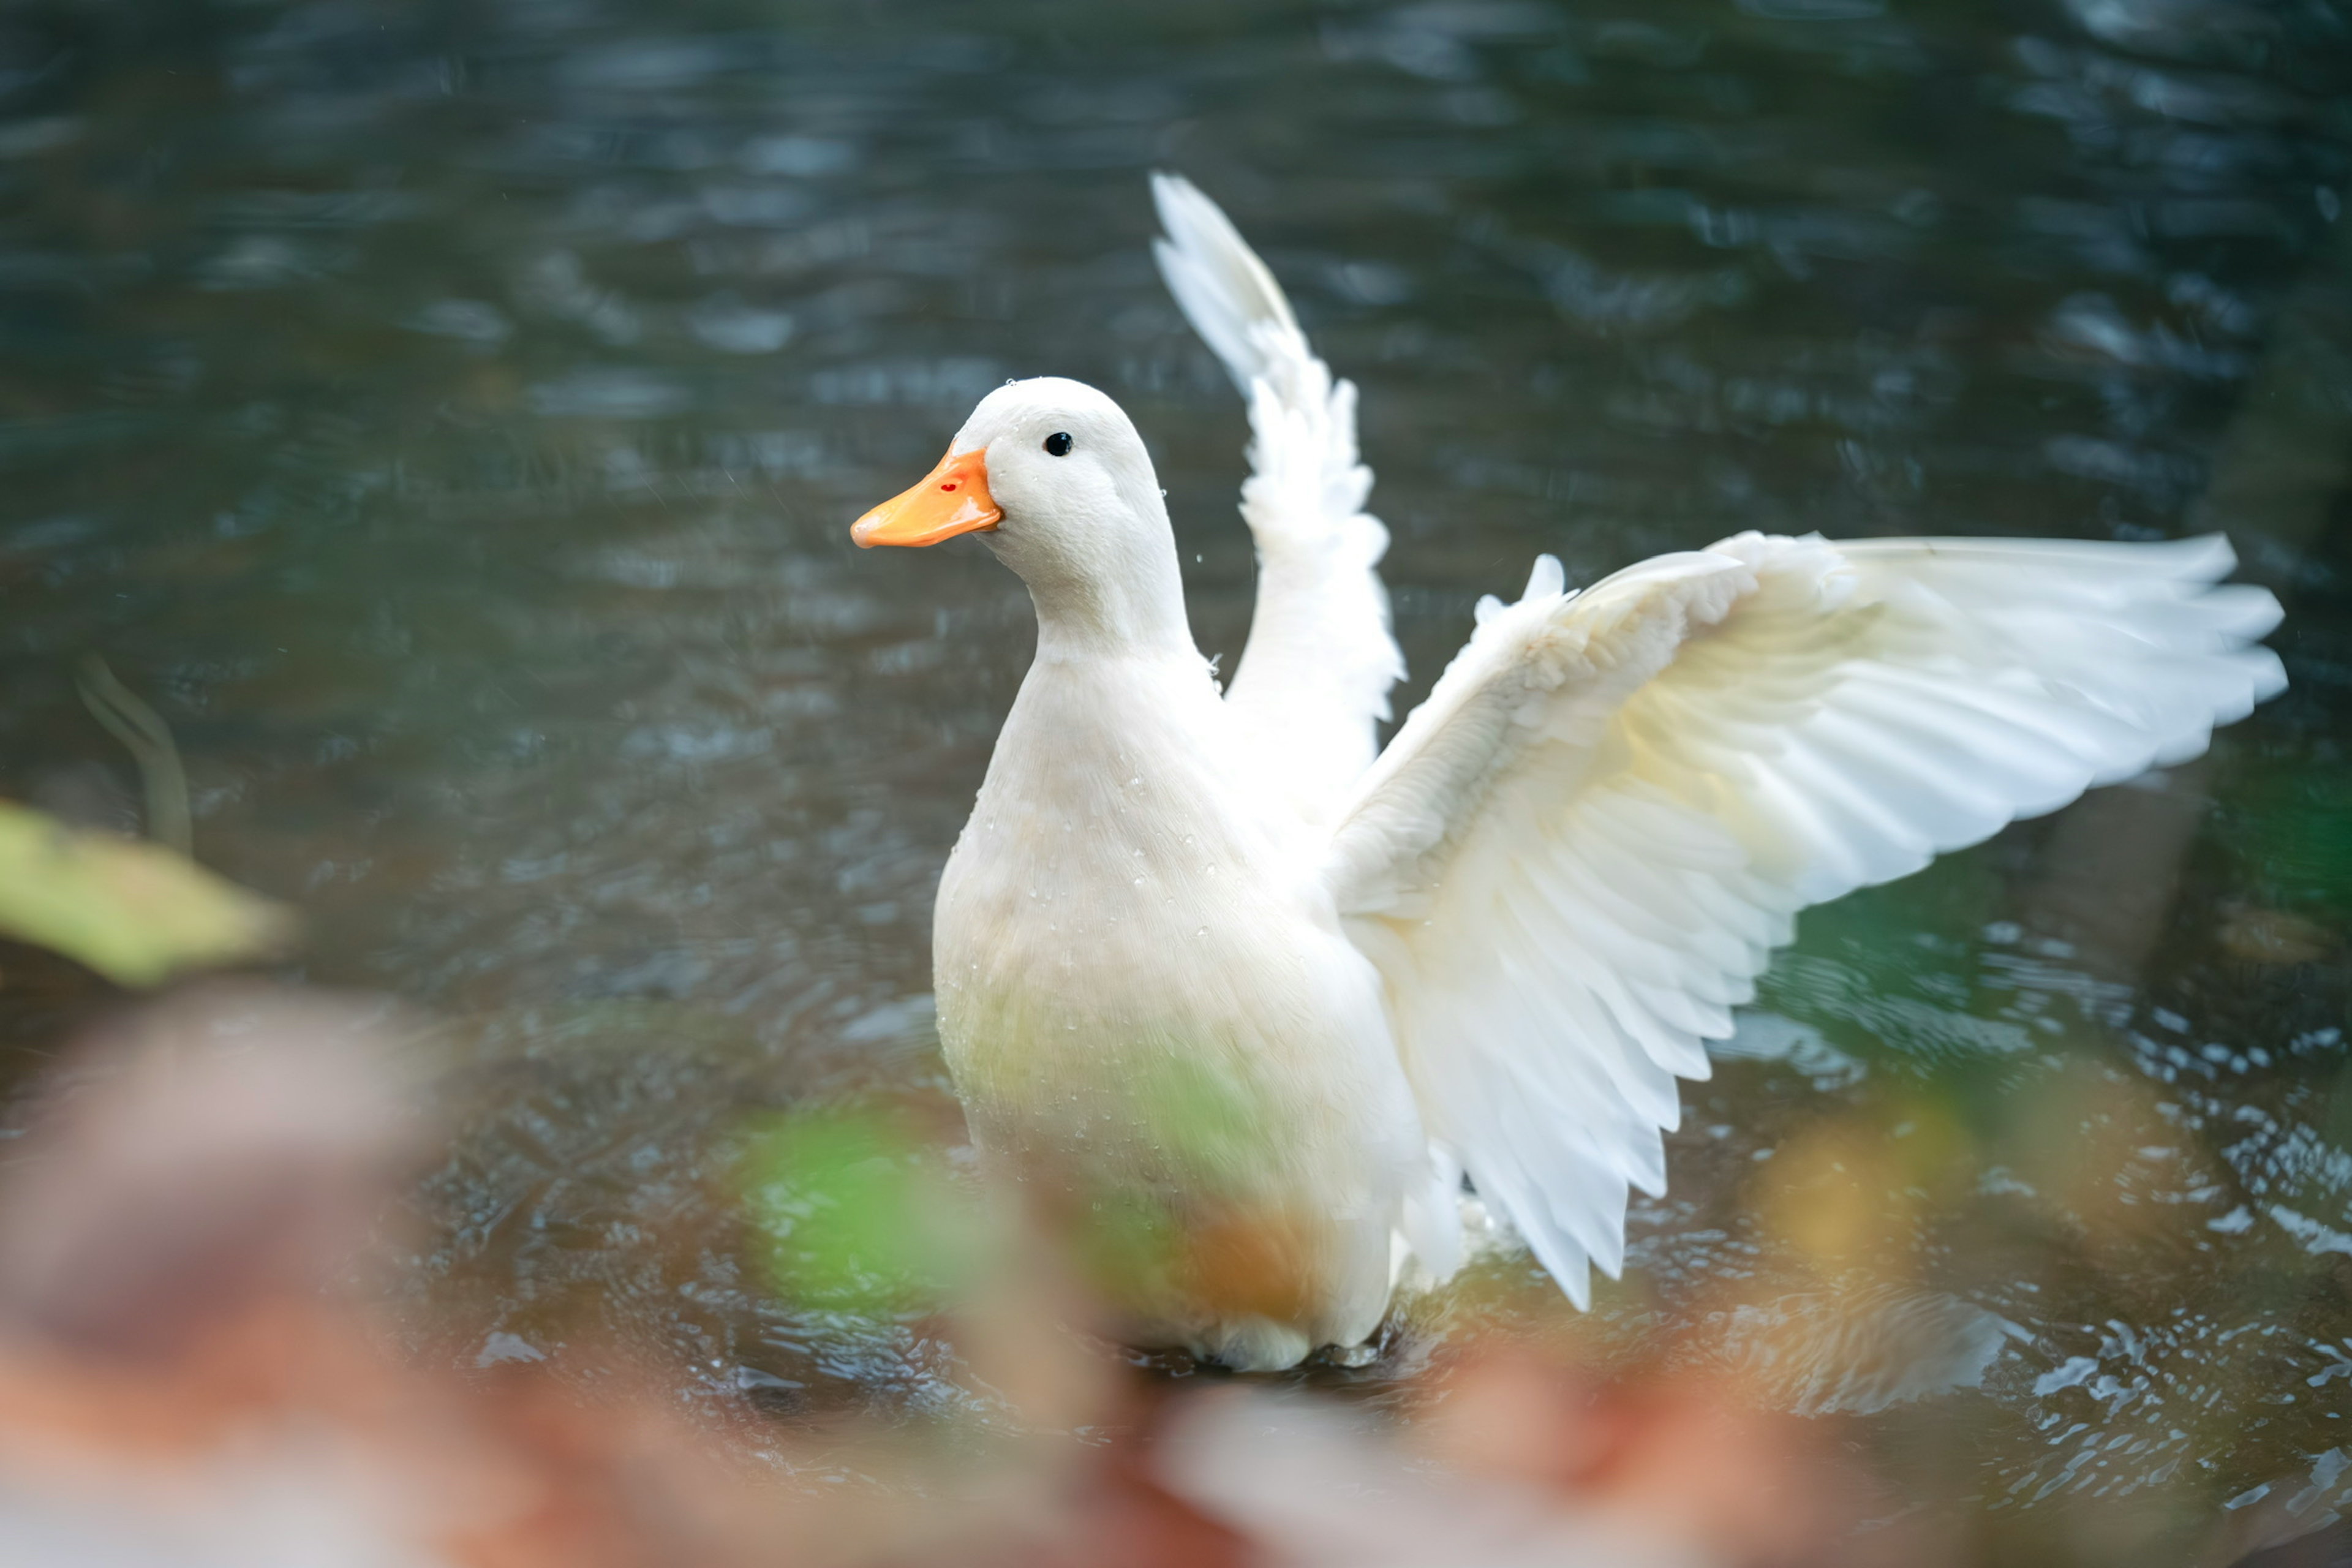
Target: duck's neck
[
  {"x": 1123, "y": 597},
  {"x": 1094, "y": 620}
]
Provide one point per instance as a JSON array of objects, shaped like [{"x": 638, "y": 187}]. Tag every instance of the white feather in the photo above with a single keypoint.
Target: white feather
[
  {"x": 1578, "y": 854},
  {"x": 1313, "y": 680}
]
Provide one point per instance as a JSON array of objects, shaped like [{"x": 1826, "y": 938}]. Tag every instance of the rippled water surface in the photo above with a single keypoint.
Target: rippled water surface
[{"x": 449, "y": 417}]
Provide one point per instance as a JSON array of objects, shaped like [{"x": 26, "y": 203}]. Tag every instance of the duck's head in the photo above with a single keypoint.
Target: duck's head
[{"x": 1051, "y": 476}]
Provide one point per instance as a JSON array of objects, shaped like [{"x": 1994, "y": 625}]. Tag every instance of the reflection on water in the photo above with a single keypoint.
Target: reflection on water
[{"x": 448, "y": 420}]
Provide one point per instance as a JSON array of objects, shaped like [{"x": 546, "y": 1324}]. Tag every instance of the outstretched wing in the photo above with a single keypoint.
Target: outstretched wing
[
  {"x": 1313, "y": 680},
  {"x": 1576, "y": 857}
]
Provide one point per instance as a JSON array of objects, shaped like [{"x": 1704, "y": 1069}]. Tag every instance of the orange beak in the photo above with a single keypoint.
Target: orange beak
[{"x": 951, "y": 499}]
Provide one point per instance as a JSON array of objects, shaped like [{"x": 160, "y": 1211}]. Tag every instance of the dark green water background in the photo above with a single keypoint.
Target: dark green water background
[{"x": 449, "y": 417}]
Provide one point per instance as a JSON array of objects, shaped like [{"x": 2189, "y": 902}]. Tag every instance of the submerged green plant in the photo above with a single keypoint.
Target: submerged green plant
[
  {"x": 148, "y": 739},
  {"x": 2293, "y": 827}
]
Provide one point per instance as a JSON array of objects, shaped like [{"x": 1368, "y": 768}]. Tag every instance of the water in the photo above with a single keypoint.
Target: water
[{"x": 449, "y": 418}]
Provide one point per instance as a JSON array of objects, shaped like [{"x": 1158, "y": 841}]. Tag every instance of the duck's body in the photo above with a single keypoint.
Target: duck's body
[
  {"x": 1239, "y": 1004},
  {"x": 1134, "y": 958}
]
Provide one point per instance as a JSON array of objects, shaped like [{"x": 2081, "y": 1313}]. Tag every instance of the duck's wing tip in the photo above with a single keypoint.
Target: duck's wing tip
[
  {"x": 1225, "y": 291},
  {"x": 1313, "y": 680}
]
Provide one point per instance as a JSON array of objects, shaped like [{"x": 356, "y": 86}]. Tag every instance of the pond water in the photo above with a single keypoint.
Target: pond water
[{"x": 449, "y": 417}]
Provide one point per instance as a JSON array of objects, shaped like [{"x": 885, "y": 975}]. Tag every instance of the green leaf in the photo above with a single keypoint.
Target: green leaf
[
  {"x": 136, "y": 912},
  {"x": 857, "y": 1214}
]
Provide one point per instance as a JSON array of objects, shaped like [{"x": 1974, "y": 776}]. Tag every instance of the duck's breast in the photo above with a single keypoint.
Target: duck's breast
[{"x": 1151, "y": 1009}]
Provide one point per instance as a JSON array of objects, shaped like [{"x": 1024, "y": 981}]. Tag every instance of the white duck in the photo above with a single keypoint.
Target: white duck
[{"x": 1209, "y": 959}]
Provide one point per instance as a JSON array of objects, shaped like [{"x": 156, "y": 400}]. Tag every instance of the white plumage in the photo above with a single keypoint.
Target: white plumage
[
  {"x": 1315, "y": 675},
  {"x": 1494, "y": 948},
  {"x": 1576, "y": 857}
]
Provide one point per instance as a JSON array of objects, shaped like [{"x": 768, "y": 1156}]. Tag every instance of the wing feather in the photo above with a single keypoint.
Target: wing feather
[
  {"x": 1313, "y": 681},
  {"x": 1577, "y": 855}
]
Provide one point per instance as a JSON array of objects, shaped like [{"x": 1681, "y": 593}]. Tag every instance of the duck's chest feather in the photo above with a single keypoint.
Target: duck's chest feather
[{"x": 1119, "y": 931}]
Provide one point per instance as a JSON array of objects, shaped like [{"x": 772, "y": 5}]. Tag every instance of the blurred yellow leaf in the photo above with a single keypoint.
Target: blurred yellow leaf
[{"x": 135, "y": 912}]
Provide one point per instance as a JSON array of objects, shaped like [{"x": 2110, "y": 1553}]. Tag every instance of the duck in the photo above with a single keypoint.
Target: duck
[{"x": 1257, "y": 1007}]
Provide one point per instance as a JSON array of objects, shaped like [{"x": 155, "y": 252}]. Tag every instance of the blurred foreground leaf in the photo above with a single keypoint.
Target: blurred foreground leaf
[
  {"x": 135, "y": 912},
  {"x": 858, "y": 1214}
]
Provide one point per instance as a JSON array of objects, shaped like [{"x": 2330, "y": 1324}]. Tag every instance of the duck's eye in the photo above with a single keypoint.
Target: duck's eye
[{"x": 1058, "y": 443}]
